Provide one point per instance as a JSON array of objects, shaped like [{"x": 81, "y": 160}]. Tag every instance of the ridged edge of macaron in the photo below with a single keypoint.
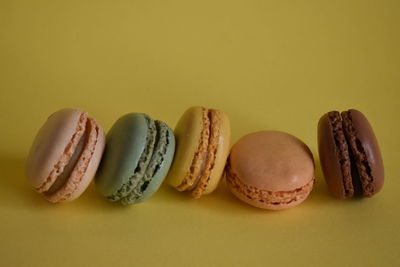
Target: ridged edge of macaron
[
  {"x": 266, "y": 199},
  {"x": 142, "y": 178},
  {"x": 361, "y": 162},
  {"x": 342, "y": 150},
  {"x": 222, "y": 152},
  {"x": 160, "y": 163},
  {"x": 198, "y": 162},
  {"x": 212, "y": 150},
  {"x": 67, "y": 191},
  {"x": 128, "y": 188}
]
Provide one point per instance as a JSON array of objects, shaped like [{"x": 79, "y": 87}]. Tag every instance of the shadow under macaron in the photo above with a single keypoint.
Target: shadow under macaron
[
  {"x": 220, "y": 201},
  {"x": 16, "y": 192},
  {"x": 92, "y": 200}
]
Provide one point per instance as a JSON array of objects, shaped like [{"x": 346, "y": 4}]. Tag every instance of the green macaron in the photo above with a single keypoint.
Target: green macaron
[{"x": 136, "y": 159}]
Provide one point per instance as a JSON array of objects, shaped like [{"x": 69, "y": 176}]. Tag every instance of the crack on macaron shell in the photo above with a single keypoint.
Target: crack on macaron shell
[
  {"x": 363, "y": 169},
  {"x": 144, "y": 160},
  {"x": 342, "y": 151},
  {"x": 267, "y": 197},
  {"x": 157, "y": 158},
  {"x": 215, "y": 122},
  {"x": 75, "y": 179},
  {"x": 66, "y": 156},
  {"x": 199, "y": 156}
]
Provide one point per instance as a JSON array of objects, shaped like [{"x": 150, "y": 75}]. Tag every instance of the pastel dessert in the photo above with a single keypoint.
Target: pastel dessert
[
  {"x": 138, "y": 155},
  {"x": 270, "y": 170},
  {"x": 65, "y": 155},
  {"x": 349, "y": 152},
  {"x": 202, "y": 137}
]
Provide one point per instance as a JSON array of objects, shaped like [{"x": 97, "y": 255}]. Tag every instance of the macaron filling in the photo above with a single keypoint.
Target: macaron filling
[
  {"x": 133, "y": 181},
  {"x": 162, "y": 142},
  {"x": 355, "y": 177},
  {"x": 62, "y": 179},
  {"x": 200, "y": 172},
  {"x": 360, "y": 162},
  {"x": 66, "y": 156},
  {"x": 157, "y": 159}
]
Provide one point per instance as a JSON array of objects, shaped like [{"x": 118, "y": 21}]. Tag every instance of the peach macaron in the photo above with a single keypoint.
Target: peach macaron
[{"x": 270, "y": 170}]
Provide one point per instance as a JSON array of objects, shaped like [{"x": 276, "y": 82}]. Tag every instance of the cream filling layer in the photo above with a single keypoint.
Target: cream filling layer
[{"x": 60, "y": 181}]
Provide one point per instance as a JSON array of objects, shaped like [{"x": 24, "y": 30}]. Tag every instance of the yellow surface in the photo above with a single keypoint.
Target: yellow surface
[{"x": 268, "y": 64}]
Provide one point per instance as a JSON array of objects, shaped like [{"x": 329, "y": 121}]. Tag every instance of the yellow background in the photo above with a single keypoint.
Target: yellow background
[{"x": 268, "y": 64}]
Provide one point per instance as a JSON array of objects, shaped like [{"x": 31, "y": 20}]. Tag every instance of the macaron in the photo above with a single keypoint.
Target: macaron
[
  {"x": 202, "y": 147},
  {"x": 65, "y": 155},
  {"x": 270, "y": 170},
  {"x": 137, "y": 157},
  {"x": 350, "y": 157}
]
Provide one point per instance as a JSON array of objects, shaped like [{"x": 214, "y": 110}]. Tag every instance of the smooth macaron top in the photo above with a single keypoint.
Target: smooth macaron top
[
  {"x": 350, "y": 156},
  {"x": 137, "y": 157},
  {"x": 203, "y": 137},
  {"x": 188, "y": 134},
  {"x": 50, "y": 142},
  {"x": 65, "y": 155},
  {"x": 272, "y": 160}
]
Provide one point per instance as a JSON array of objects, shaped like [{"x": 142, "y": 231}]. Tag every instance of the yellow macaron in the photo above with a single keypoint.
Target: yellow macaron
[{"x": 202, "y": 147}]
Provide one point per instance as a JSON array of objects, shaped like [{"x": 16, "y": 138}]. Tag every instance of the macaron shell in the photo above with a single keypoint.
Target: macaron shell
[
  {"x": 369, "y": 143},
  {"x": 287, "y": 165},
  {"x": 187, "y": 134},
  {"x": 162, "y": 168},
  {"x": 90, "y": 160},
  {"x": 329, "y": 157},
  {"x": 222, "y": 153},
  {"x": 122, "y": 153},
  {"x": 50, "y": 144}
]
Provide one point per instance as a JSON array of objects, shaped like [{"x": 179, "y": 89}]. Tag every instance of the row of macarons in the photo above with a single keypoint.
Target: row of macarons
[{"x": 266, "y": 169}]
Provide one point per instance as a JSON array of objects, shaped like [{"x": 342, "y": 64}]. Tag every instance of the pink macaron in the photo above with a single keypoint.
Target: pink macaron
[
  {"x": 65, "y": 155},
  {"x": 270, "y": 170}
]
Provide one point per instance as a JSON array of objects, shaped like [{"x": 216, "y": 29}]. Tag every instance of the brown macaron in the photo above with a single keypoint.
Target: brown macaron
[{"x": 349, "y": 153}]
